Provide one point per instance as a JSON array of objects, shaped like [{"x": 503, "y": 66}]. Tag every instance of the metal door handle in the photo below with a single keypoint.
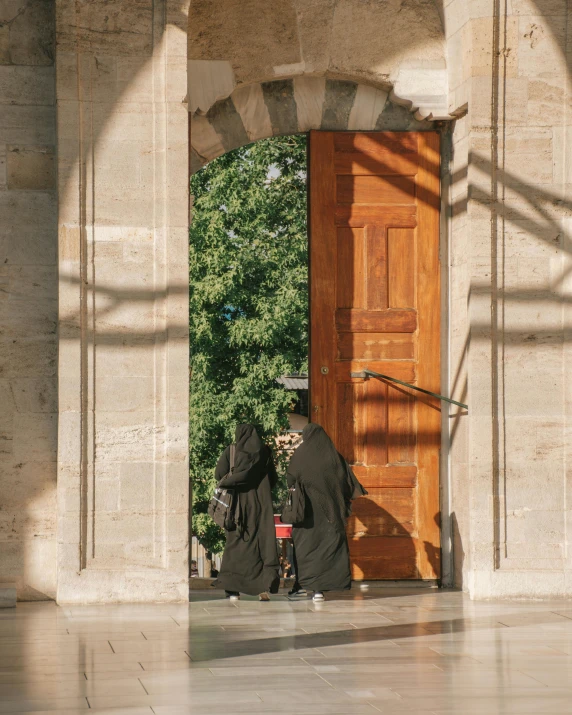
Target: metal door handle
[{"x": 365, "y": 374}]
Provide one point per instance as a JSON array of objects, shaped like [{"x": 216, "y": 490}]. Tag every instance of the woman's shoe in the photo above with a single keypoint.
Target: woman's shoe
[
  {"x": 318, "y": 596},
  {"x": 233, "y": 595},
  {"x": 264, "y": 596},
  {"x": 298, "y": 595}
]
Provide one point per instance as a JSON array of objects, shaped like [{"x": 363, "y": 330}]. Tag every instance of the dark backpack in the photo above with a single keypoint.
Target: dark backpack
[
  {"x": 295, "y": 507},
  {"x": 223, "y": 504}
]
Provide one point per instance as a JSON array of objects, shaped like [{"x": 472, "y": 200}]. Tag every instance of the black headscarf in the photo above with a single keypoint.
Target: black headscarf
[
  {"x": 252, "y": 458},
  {"x": 325, "y": 475}
]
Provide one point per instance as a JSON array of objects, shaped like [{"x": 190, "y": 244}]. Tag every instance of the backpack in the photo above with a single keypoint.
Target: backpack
[
  {"x": 223, "y": 504},
  {"x": 295, "y": 506}
]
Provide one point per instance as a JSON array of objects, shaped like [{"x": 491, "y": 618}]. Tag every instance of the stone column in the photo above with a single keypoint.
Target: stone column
[
  {"x": 123, "y": 503},
  {"x": 28, "y": 299},
  {"x": 510, "y": 285}
]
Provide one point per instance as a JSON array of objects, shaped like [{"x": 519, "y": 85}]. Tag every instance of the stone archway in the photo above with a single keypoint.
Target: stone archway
[
  {"x": 254, "y": 72},
  {"x": 291, "y": 106}
]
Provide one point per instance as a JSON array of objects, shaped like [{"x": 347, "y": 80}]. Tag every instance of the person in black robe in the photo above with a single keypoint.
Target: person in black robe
[
  {"x": 250, "y": 561},
  {"x": 322, "y": 561}
]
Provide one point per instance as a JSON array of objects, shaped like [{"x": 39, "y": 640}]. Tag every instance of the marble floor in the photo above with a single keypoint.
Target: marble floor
[{"x": 379, "y": 651}]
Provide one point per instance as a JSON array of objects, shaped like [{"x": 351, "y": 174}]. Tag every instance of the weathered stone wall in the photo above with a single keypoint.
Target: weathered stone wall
[
  {"x": 456, "y": 512},
  {"x": 28, "y": 298}
]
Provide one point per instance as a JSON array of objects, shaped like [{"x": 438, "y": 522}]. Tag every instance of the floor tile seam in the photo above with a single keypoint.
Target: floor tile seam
[
  {"x": 326, "y": 681},
  {"x": 527, "y": 675},
  {"x": 561, "y": 615}
]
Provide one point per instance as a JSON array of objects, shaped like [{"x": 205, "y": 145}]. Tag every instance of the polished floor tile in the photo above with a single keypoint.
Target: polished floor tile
[{"x": 392, "y": 651}]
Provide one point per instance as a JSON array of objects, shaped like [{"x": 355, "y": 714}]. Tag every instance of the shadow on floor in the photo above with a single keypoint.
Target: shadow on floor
[{"x": 219, "y": 646}]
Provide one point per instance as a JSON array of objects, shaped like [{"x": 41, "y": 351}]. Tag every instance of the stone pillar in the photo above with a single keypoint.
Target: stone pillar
[
  {"x": 512, "y": 273},
  {"x": 28, "y": 299},
  {"x": 123, "y": 503}
]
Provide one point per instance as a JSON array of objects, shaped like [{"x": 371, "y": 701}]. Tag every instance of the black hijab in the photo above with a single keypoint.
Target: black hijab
[
  {"x": 252, "y": 458},
  {"x": 249, "y": 447},
  {"x": 325, "y": 474}
]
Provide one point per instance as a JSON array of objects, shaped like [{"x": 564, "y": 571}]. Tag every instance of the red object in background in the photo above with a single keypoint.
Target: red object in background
[{"x": 283, "y": 531}]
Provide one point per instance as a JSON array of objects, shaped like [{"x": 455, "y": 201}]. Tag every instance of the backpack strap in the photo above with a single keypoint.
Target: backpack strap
[{"x": 232, "y": 451}]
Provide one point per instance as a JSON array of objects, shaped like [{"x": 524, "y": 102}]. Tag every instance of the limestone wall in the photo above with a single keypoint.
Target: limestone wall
[
  {"x": 28, "y": 299},
  {"x": 456, "y": 510}
]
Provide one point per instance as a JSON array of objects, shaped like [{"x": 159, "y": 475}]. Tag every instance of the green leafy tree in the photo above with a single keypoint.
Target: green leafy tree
[{"x": 248, "y": 302}]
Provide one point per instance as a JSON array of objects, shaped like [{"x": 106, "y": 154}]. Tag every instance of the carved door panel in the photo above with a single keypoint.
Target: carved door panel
[{"x": 375, "y": 303}]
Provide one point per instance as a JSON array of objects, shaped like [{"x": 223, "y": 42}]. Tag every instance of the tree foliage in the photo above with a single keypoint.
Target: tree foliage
[{"x": 248, "y": 302}]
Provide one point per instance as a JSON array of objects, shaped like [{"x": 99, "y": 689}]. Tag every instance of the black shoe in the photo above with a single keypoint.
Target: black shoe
[
  {"x": 233, "y": 595},
  {"x": 297, "y": 593}
]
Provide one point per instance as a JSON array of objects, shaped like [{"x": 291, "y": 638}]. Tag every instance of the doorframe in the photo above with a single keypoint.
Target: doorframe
[{"x": 445, "y": 232}]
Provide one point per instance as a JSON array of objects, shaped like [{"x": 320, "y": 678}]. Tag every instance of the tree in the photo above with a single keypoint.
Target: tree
[{"x": 248, "y": 259}]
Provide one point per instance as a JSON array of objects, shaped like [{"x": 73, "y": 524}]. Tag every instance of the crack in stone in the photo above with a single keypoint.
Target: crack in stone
[{"x": 108, "y": 32}]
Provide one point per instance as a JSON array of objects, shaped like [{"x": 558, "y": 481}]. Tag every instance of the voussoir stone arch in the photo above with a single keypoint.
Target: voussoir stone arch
[{"x": 292, "y": 106}]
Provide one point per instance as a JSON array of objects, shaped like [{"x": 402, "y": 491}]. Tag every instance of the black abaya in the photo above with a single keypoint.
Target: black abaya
[
  {"x": 250, "y": 561},
  {"x": 320, "y": 542}
]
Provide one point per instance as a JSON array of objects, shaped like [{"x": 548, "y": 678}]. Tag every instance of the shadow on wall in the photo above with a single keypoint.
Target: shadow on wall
[
  {"x": 28, "y": 300},
  {"x": 458, "y": 552}
]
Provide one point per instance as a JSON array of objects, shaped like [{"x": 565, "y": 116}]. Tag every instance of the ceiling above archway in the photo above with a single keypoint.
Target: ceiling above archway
[
  {"x": 393, "y": 45},
  {"x": 257, "y": 69}
]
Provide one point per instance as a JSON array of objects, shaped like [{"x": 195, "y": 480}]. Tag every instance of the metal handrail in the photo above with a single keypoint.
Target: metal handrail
[{"x": 370, "y": 373}]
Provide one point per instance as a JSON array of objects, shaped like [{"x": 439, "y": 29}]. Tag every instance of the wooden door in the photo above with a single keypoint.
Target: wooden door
[{"x": 374, "y": 274}]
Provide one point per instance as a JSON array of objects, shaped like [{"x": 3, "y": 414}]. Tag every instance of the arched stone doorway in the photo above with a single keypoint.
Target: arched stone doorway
[{"x": 123, "y": 479}]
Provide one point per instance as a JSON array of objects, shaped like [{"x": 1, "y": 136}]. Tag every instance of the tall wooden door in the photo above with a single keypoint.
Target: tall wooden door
[{"x": 374, "y": 275}]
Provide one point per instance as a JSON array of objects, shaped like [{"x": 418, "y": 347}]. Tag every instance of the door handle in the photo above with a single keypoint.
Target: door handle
[{"x": 366, "y": 374}]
